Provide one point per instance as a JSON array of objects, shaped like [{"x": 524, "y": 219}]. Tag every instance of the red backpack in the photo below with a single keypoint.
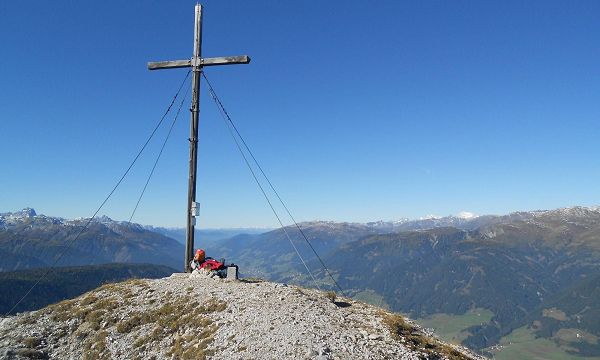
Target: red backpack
[{"x": 212, "y": 264}]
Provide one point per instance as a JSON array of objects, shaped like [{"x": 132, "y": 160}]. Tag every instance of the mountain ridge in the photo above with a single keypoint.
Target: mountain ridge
[
  {"x": 460, "y": 221},
  {"x": 508, "y": 265},
  {"x": 195, "y": 316},
  {"x": 519, "y": 267},
  {"x": 30, "y": 240}
]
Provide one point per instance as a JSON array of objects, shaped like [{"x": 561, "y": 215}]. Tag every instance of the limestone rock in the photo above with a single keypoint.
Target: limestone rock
[{"x": 198, "y": 316}]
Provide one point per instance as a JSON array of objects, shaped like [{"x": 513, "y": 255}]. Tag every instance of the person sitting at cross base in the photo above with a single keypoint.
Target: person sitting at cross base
[{"x": 208, "y": 265}]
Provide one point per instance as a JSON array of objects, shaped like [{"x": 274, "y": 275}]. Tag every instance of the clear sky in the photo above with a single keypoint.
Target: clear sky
[{"x": 358, "y": 110}]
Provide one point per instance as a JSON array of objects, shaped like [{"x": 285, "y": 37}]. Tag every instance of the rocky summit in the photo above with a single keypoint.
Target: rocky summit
[{"x": 199, "y": 317}]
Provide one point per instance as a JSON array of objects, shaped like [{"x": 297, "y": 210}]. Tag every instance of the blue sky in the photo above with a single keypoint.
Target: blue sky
[{"x": 357, "y": 110}]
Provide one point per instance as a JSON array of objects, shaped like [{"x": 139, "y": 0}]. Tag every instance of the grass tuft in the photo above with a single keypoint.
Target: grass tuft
[
  {"x": 31, "y": 342},
  {"x": 129, "y": 324},
  {"x": 31, "y": 353},
  {"x": 90, "y": 299},
  {"x": 96, "y": 348},
  {"x": 331, "y": 296}
]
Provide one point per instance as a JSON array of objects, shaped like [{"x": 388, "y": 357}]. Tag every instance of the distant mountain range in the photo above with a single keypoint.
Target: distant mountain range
[
  {"x": 524, "y": 267},
  {"x": 260, "y": 252},
  {"x": 203, "y": 236},
  {"x": 535, "y": 270},
  {"x": 29, "y": 240}
]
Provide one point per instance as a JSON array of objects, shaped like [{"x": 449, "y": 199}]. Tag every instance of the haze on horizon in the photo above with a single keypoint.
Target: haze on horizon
[{"x": 358, "y": 112}]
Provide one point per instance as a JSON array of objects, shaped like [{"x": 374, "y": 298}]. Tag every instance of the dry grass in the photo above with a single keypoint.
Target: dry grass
[
  {"x": 180, "y": 350},
  {"x": 90, "y": 299},
  {"x": 110, "y": 287},
  {"x": 124, "y": 288},
  {"x": 137, "y": 282},
  {"x": 98, "y": 312},
  {"x": 96, "y": 348},
  {"x": 31, "y": 353},
  {"x": 28, "y": 319},
  {"x": 193, "y": 346},
  {"x": 416, "y": 340},
  {"x": 79, "y": 308},
  {"x": 300, "y": 291},
  {"x": 94, "y": 318},
  {"x": 31, "y": 342},
  {"x": 61, "y": 311},
  {"x": 127, "y": 294},
  {"x": 155, "y": 336},
  {"x": 107, "y": 304},
  {"x": 91, "y": 312},
  {"x": 175, "y": 318},
  {"x": 129, "y": 324},
  {"x": 81, "y": 313}
]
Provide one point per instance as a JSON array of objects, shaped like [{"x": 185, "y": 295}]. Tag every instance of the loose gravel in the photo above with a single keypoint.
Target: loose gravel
[{"x": 198, "y": 317}]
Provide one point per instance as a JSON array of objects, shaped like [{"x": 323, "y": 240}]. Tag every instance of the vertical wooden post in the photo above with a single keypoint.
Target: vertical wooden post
[
  {"x": 196, "y": 68},
  {"x": 196, "y": 63}
]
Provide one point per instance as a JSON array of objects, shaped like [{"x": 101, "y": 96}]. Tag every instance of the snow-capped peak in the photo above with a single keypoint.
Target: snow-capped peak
[{"x": 466, "y": 215}]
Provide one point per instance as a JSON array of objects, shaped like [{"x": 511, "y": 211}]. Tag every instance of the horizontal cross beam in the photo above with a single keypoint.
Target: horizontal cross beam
[{"x": 224, "y": 60}]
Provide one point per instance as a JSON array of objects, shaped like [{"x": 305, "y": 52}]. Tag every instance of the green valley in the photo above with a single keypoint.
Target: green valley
[
  {"x": 523, "y": 344},
  {"x": 454, "y": 328}
]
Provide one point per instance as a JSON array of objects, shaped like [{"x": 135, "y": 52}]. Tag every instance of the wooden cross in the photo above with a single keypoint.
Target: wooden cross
[{"x": 196, "y": 63}]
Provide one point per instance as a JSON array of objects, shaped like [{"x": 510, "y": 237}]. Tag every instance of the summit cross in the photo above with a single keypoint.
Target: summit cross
[{"x": 196, "y": 63}]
